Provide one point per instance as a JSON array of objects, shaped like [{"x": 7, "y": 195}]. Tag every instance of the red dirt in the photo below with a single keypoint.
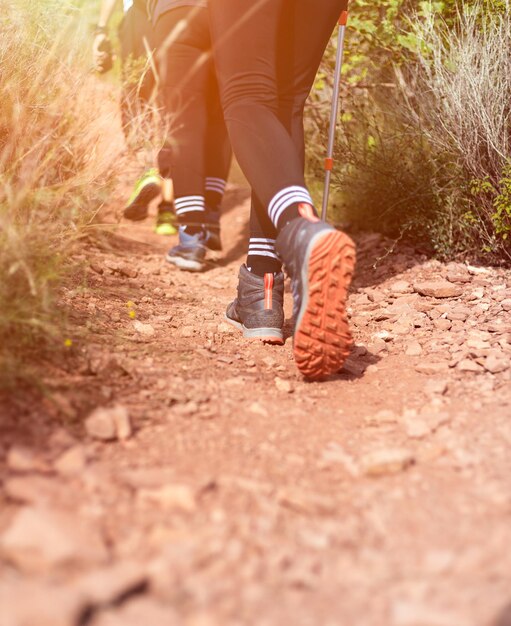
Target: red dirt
[{"x": 245, "y": 495}]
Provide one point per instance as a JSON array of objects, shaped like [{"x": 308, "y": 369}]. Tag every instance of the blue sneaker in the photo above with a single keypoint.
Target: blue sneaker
[
  {"x": 190, "y": 253},
  {"x": 320, "y": 261}
]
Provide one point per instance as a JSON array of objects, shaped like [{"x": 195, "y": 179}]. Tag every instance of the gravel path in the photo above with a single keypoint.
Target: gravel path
[{"x": 176, "y": 474}]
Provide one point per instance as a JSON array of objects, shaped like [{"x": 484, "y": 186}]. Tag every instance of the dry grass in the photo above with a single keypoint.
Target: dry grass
[
  {"x": 53, "y": 168},
  {"x": 459, "y": 96}
]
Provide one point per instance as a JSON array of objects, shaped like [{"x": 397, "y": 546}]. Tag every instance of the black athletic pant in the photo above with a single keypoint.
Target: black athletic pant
[
  {"x": 267, "y": 53},
  {"x": 197, "y": 153}
]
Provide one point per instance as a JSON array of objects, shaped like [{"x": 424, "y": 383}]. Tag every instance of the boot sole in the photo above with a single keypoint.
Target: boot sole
[
  {"x": 186, "y": 264},
  {"x": 322, "y": 339},
  {"x": 146, "y": 195},
  {"x": 266, "y": 335}
]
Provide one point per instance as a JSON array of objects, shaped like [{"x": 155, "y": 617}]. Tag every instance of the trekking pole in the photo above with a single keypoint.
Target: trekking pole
[{"x": 329, "y": 161}]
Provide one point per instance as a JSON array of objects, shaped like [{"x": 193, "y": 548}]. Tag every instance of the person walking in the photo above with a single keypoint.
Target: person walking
[
  {"x": 197, "y": 152},
  {"x": 267, "y": 53},
  {"x": 138, "y": 84}
]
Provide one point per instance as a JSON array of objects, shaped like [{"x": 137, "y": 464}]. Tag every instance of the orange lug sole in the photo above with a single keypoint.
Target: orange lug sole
[{"x": 322, "y": 339}]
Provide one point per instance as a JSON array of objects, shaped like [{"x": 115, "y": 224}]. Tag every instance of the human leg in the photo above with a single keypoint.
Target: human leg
[
  {"x": 319, "y": 259},
  {"x": 182, "y": 42}
]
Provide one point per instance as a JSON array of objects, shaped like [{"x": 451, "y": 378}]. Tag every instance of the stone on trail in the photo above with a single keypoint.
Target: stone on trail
[
  {"x": 283, "y": 385},
  {"x": 144, "y": 329},
  {"x": 110, "y": 584},
  {"x": 72, "y": 462},
  {"x": 401, "y": 286},
  {"x": 438, "y": 289},
  {"x": 383, "y": 417},
  {"x": 386, "y": 461},
  {"x": 174, "y": 497},
  {"x": 467, "y": 365},
  {"x": 32, "y": 489},
  {"x": 107, "y": 424},
  {"x": 38, "y": 603},
  {"x": 413, "y": 348},
  {"x": 431, "y": 368},
  {"x": 21, "y": 459},
  {"x": 495, "y": 364},
  {"x": 258, "y": 409},
  {"x": 39, "y": 539},
  {"x": 436, "y": 387},
  {"x": 142, "y": 611}
]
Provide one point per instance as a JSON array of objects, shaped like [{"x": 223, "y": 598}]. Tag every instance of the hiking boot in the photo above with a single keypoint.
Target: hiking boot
[
  {"x": 258, "y": 310},
  {"x": 213, "y": 241},
  {"x": 166, "y": 220},
  {"x": 320, "y": 261},
  {"x": 147, "y": 188},
  {"x": 190, "y": 253}
]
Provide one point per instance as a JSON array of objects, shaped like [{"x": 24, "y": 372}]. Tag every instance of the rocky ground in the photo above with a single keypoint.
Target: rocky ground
[{"x": 177, "y": 474}]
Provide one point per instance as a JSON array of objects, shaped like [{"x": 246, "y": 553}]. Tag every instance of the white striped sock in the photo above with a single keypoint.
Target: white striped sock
[
  {"x": 259, "y": 246},
  {"x": 186, "y": 204},
  {"x": 215, "y": 185},
  {"x": 285, "y": 198}
]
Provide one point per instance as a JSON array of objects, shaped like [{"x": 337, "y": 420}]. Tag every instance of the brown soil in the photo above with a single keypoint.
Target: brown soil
[{"x": 246, "y": 495}]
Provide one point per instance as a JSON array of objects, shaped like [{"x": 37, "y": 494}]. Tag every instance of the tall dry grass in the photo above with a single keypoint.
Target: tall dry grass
[
  {"x": 460, "y": 98},
  {"x": 54, "y": 168}
]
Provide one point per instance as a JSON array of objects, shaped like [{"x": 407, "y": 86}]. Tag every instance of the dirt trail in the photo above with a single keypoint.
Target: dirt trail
[{"x": 245, "y": 495}]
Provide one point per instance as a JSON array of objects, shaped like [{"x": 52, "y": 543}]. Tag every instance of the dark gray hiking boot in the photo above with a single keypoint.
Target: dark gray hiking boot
[
  {"x": 320, "y": 261},
  {"x": 258, "y": 310}
]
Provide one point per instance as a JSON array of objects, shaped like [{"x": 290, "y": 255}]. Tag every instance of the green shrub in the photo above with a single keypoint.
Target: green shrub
[{"x": 424, "y": 146}]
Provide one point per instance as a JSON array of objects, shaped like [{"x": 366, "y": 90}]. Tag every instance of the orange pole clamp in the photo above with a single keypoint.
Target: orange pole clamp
[
  {"x": 329, "y": 164},
  {"x": 343, "y": 20}
]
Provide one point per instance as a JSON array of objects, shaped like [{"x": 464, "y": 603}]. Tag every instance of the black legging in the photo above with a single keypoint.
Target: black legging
[
  {"x": 267, "y": 53},
  {"x": 198, "y": 145}
]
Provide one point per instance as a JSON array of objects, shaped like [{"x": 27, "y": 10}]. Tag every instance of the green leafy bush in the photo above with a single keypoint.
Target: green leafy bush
[{"x": 426, "y": 124}]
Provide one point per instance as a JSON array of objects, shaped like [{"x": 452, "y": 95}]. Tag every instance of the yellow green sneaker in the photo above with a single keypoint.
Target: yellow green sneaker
[
  {"x": 147, "y": 188},
  {"x": 166, "y": 220}
]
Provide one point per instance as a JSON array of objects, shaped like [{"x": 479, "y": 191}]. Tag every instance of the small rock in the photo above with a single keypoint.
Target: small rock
[
  {"x": 506, "y": 304},
  {"x": 101, "y": 424},
  {"x": 258, "y": 409},
  {"x": 39, "y": 538},
  {"x": 38, "y": 603},
  {"x": 438, "y": 289},
  {"x": 32, "y": 489},
  {"x": 110, "y": 584},
  {"x": 21, "y": 459},
  {"x": 467, "y": 365},
  {"x": 413, "y": 348},
  {"x": 431, "y": 368},
  {"x": 495, "y": 365},
  {"x": 401, "y": 286},
  {"x": 73, "y": 461},
  {"x": 144, "y": 329},
  {"x": 122, "y": 421},
  {"x": 176, "y": 497},
  {"x": 377, "y": 346},
  {"x": 442, "y": 324},
  {"x": 382, "y": 417},
  {"x": 436, "y": 387},
  {"x": 386, "y": 461},
  {"x": 477, "y": 271},
  {"x": 185, "y": 331},
  {"x": 417, "y": 428},
  {"x": 226, "y": 328},
  {"x": 283, "y": 385},
  {"x": 188, "y": 409}
]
